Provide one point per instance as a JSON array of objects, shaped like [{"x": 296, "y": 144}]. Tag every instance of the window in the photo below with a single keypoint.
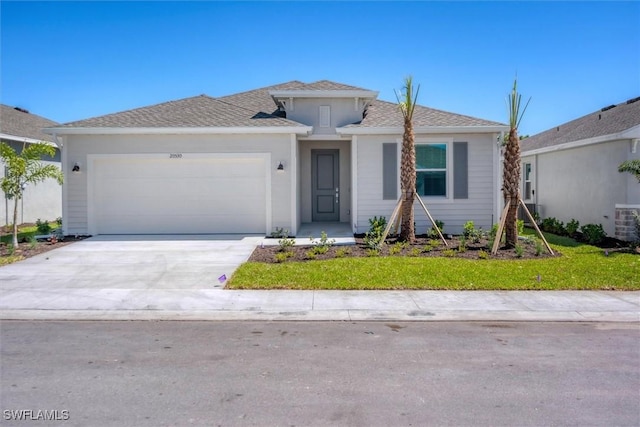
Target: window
[
  {"x": 527, "y": 181},
  {"x": 431, "y": 169}
]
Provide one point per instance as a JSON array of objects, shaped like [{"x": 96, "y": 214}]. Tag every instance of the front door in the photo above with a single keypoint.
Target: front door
[{"x": 325, "y": 185}]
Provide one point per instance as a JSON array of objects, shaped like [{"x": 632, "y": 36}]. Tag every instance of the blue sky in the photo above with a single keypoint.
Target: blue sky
[{"x": 74, "y": 60}]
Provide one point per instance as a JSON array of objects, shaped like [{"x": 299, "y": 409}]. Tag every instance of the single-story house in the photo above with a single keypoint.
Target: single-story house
[
  {"x": 571, "y": 171},
  {"x": 272, "y": 158},
  {"x": 43, "y": 200}
]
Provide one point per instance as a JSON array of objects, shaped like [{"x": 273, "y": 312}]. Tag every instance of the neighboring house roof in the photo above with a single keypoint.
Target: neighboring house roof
[
  {"x": 610, "y": 120},
  {"x": 197, "y": 111},
  {"x": 257, "y": 108},
  {"x": 18, "y": 124}
]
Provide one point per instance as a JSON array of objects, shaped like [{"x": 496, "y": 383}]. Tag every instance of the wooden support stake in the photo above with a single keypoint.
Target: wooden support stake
[
  {"x": 503, "y": 221},
  {"x": 535, "y": 225},
  {"x": 432, "y": 221},
  {"x": 390, "y": 223}
]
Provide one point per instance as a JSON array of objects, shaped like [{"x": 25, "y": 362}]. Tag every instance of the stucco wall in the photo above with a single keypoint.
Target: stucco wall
[
  {"x": 78, "y": 147},
  {"x": 307, "y": 111},
  {"x": 482, "y": 181},
  {"x": 583, "y": 183}
]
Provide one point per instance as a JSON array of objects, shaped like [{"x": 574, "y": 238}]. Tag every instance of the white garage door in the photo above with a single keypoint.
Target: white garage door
[{"x": 162, "y": 195}]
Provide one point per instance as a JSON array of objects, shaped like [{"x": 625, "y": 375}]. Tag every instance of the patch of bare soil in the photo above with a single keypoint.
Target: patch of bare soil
[{"x": 423, "y": 247}]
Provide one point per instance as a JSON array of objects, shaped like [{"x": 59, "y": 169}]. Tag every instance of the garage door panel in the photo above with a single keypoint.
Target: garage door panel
[{"x": 168, "y": 196}]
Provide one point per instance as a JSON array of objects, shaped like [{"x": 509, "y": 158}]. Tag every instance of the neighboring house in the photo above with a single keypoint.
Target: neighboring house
[
  {"x": 270, "y": 158},
  {"x": 44, "y": 200},
  {"x": 571, "y": 170}
]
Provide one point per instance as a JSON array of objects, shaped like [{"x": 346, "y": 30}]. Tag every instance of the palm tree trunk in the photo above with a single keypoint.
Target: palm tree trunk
[
  {"x": 511, "y": 178},
  {"x": 408, "y": 182}
]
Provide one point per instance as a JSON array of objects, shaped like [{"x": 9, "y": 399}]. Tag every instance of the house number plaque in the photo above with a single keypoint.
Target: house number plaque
[{"x": 175, "y": 155}]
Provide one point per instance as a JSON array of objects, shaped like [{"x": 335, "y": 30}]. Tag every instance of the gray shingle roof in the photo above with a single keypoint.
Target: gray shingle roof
[
  {"x": 256, "y": 108},
  {"x": 329, "y": 85},
  {"x": 197, "y": 111},
  {"x": 24, "y": 125},
  {"x": 612, "y": 121},
  {"x": 387, "y": 114}
]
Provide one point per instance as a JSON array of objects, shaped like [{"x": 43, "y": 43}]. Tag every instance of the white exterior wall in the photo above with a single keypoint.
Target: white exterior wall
[
  {"x": 307, "y": 111},
  {"x": 482, "y": 180},
  {"x": 305, "y": 176},
  {"x": 78, "y": 148},
  {"x": 583, "y": 183},
  {"x": 40, "y": 201}
]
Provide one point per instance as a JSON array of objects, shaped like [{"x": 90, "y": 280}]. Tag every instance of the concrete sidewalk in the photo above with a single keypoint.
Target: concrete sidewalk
[{"x": 220, "y": 304}]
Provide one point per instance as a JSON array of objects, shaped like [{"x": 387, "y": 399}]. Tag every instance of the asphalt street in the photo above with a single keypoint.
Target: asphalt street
[{"x": 159, "y": 373}]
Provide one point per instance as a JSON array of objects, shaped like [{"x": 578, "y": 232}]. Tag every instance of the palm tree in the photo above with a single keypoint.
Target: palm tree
[
  {"x": 631, "y": 166},
  {"x": 407, "y": 103},
  {"x": 511, "y": 173},
  {"x": 25, "y": 168}
]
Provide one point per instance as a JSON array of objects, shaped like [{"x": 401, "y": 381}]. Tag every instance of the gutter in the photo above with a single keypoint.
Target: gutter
[
  {"x": 299, "y": 130},
  {"x": 395, "y": 130}
]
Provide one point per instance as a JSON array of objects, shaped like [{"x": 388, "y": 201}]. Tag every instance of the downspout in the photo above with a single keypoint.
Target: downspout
[
  {"x": 498, "y": 205},
  {"x": 63, "y": 165}
]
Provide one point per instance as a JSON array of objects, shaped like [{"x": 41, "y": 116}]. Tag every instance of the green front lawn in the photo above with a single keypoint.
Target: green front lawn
[{"x": 580, "y": 267}]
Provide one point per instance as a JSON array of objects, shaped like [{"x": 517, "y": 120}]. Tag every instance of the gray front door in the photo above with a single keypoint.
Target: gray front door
[{"x": 325, "y": 185}]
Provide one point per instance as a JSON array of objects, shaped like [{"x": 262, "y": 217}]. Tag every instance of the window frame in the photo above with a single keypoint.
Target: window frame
[{"x": 448, "y": 142}]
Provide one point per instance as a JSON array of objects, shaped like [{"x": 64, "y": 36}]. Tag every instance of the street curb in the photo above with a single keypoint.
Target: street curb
[{"x": 322, "y": 315}]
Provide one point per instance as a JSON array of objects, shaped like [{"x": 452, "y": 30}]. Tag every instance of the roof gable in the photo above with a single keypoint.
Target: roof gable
[
  {"x": 23, "y": 124},
  {"x": 607, "y": 121}
]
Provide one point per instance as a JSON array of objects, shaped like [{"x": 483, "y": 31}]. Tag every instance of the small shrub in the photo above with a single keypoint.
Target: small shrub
[
  {"x": 462, "y": 247},
  {"x": 636, "y": 221},
  {"x": 469, "y": 229},
  {"x": 32, "y": 242},
  {"x": 520, "y": 226},
  {"x": 483, "y": 254},
  {"x": 554, "y": 226},
  {"x": 59, "y": 221},
  {"x": 286, "y": 242},
  {"x": 415, "y": 252},
  {"x": 538, "y": 247},
  {"x": 311, "y": 254},
  {"x": 450, "y": 253},
  {"x": 342, "y": 252},
  {"x": 434, "y": 243},
  {"x": 323, "y": 244},
  {"x": 398, "y": 247},
  {"x": 519, "y": 251},
  {"x": 572, "y": 227},
  {"x": 373, "y": 237},
  {"x": 427, "y": 248},
  {"x": 11, "y": 250},
  {"x": 433, "y": 233},
  {"x": 373, "y": 252},
  {"x": 494, "y": 231},
  {"x": 319, "y": 250},
  {"x": 43, "y": 226},
  {"x": 283, "y": 256},
  {"x": 593, "y": 234},
  {"x": 279, "y": 233}
]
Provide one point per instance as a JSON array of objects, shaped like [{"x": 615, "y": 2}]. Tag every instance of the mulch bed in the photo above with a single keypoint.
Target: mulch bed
[
  {"x": 268, "y": 254},
  {"x": 27, "y": 249}
]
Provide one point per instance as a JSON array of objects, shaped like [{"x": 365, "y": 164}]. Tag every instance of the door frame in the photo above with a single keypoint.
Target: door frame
[{"x": 315, "y": 216}]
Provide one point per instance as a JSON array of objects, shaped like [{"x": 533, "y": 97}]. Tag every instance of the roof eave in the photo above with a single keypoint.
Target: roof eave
[
  {"x": 631, "y": 133},
  {"x": 299, "y": 130},
  {"x": 395, "y": 130},
  {"x": 28, "y": 140}
]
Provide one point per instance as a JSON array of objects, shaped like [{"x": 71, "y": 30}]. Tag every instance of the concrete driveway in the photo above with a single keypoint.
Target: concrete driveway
[{"x": 133, "y": 262}]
